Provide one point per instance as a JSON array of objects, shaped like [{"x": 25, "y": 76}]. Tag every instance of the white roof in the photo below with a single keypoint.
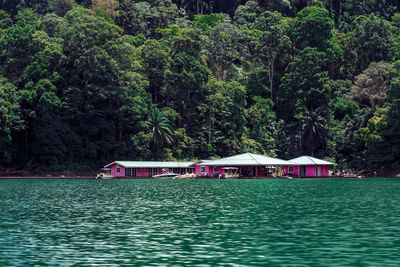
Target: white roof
[
  {"x": 307, "y": 160},
  {"x": 246, "y": 159},
  {"x": 152, "y": 164}
]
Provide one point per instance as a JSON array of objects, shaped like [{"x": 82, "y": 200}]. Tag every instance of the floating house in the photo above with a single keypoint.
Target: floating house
[
  {"x": 146, "y": 169},
  {"x": 307, "y": 166},
  {"x": 247, "y": 164}
]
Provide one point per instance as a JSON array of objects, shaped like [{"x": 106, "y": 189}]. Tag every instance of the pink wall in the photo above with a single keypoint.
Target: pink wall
[
  {"x": 285, "y": 170},
  {"x": 144, "y": 172},
  {"x": 140, "y": 172},
  {"x": 295, "y": 170},
  {"x": 208, "y": 170},
  {"x": 114, "y": 172},
  {"x": 325, "y": 170},
  {"x": 310, "y": 170}
]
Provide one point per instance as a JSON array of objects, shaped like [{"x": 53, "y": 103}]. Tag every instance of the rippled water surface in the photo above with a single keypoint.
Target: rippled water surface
[{"x": 335, "y": 222}]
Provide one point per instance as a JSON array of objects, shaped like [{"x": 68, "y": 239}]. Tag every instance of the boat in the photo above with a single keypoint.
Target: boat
[
  {"x": 185, "y": 176},
  {"x": 104, "y": 173},
  {"x": 167, "y": 175},
  {"x": 230, "y": 173},
  {"x": 283, "y": 177}
]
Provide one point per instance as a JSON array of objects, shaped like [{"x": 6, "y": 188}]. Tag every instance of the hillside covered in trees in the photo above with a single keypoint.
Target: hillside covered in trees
[{"x": 83, "y": 83}]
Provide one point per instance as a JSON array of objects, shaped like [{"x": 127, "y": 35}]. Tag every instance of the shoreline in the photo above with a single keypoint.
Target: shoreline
[
  {"x": 47, "y": 177},
  {"x": 199, "y": 178}
]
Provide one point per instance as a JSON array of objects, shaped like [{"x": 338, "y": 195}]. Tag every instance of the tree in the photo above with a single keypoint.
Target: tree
[
  {"x": 221, "y": 119},
  {"x": 81, "y": 31},
  {"x": 304, "y": 86},
  {"x": 207, "y": 22},
  {"x": 16, "y": 48},
  {"x": 45, "y": 64},
  {"x": 5, "y": 20},
  {"x": 160, "y": 130},
  {"x": 61, "y": 7},
  {"x": 102, "y": 91},
  {"x": 155, "y": 62},
  {"x": 48, "y": 145},
  {"x": 29, "y": 16},
  {"x": 49, "y": 23},
  {"x": 372, "y": 40},
  {"x": 314, "y": 130},
  {"x": 396, "y": 20},
  {"x": 224, "y": 49},
  {"x": 186, "y": 75},
  {"x": 313, "y": 27},
  {"x": 342, "y": 108},
  {"x": 369, "y": 89},
  {"x": 107, "y": 5},
  {"x": 163, "y": 13},
  {"x": 10, "y": 118},
  {"x": 133, "y": 17},
  {"x": 256, "y": 84},
  {"x": 246, "y": 14},
  {"x": 282, "y": 6},
  {"x": 272, "y": 41},
  {"x": 381, "y": 136},
  {"x": 261, "y": 122}
]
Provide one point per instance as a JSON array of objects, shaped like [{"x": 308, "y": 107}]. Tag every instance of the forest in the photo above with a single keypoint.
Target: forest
[{"x": 84, "y": 83}]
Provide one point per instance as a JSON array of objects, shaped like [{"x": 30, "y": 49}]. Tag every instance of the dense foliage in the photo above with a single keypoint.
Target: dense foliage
[{"x": 85, "y": 82}]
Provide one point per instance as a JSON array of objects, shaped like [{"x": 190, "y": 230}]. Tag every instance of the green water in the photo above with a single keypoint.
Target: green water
[{"x": 317, "y": 222}]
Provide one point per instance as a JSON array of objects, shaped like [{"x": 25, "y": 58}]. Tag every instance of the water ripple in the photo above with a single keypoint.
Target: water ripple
[{"x": 335, "y": 222}]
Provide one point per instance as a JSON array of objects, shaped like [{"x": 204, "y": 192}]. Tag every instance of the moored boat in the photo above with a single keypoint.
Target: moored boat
[
  {"x": 230, "y": 173},
  {"x": 167, "y": 175},
  {"x": 104, "y": 173},
  {"x": 185, "y": 176}
]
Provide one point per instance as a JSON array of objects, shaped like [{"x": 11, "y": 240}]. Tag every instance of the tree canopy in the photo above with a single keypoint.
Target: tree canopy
[{"x": 83, "y": 83}]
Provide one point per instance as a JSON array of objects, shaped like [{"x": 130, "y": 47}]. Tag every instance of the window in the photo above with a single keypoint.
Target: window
[
  {"x": 183, "y": 170},
  {"x": 153, "y": 171},
  {"x": 290, "y": 168},
  {"x": 118, "y": 170},
  {"x": 174, "y": 170},
  {"x": 189, "y": 170},
  {"x": 202, "y": 168},
  {"x": 216, "y": 169},
  {"x": 130, "y": 172}
]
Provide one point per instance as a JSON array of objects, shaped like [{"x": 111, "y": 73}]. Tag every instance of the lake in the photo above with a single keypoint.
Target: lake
[{"x": 303, "y": 222}]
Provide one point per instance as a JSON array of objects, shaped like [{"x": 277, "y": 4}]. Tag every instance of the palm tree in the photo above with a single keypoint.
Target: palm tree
[
  {"x": 160, "y": 128},
  {"x": 314, "y": 130}
]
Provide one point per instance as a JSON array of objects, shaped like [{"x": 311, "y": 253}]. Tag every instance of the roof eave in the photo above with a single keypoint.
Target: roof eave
[
  {"x": 108, "y": 165},
  {"x": 239, "y": 164},
  {"x": 312, "y": 164}
]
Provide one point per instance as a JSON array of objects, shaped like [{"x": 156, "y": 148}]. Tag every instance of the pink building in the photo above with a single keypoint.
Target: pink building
[
  {"x": 146, "y": 169},
  {"x": 247, "y": 165},
  {"x": 307, "y": 166}
]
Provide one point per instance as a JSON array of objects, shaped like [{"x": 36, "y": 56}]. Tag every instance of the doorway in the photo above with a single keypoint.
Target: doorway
[
  {"x": 302, "y": 171},
  {"x": 317, "y": 171}
]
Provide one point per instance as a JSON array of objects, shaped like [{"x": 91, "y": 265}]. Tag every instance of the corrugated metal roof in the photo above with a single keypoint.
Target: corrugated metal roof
[
  {"x": 307, "y": 160},
  {"x": 152, "y": 164},
  {"x": 246, "y": 159}
]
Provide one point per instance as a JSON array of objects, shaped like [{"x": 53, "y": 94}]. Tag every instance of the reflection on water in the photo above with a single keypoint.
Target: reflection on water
[{"x": 331, "y": 222}]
